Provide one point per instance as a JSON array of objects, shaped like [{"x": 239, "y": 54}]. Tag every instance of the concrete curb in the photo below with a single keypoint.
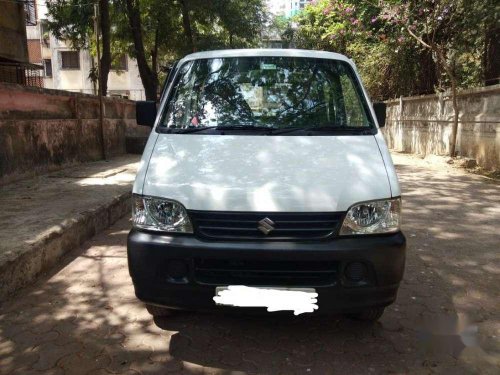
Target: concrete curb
[{"x": 44, "y": 253}]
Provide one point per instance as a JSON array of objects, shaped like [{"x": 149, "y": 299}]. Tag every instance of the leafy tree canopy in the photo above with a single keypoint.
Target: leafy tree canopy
[
  {"x": 380, "y": 37},
  {"x": 169, "y": 28}
]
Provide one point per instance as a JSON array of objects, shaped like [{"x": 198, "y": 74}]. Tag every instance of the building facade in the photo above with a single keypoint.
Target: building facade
[
  {"x": 67, "y": 69},
  {"x": 271, "y": 37},
  {"x": 286, "y": 8},
  {"x": 14, "y": 62}
]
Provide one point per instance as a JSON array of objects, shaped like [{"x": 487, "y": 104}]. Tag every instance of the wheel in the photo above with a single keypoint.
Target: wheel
[
  {"x": 371, "y": 314},
  {"x": 158, "y": 311}
]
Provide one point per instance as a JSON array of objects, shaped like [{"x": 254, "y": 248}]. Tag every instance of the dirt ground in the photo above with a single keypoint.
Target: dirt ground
[{"x": 83, "y": 317}]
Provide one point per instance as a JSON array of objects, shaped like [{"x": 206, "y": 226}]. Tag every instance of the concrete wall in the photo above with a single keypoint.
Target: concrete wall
[
  {"x": 13, "y": 32},
  {"x": 43, "y": 130},
  {"x": 423, "y": 124}
]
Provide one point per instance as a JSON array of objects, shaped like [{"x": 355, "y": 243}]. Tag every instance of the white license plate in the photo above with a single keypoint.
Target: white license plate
[{"x": 298, "y": 300}]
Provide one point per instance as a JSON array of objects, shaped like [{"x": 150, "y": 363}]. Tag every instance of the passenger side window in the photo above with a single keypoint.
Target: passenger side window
[
  {"x": 355, "y": 115},
  {"x": 181, "y": 106}
]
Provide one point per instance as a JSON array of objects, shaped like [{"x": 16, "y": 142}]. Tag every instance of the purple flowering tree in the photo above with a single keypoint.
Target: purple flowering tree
[{"x": 435, "y": 25}]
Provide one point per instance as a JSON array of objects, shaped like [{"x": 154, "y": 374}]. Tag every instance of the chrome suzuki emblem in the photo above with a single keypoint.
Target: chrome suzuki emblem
[{"x": 266, "y": 225}]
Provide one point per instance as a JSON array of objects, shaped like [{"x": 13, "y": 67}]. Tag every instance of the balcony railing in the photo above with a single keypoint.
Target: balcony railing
[
  {"x": 21, "y": 73},
  {"x": 30, "y": 11}
]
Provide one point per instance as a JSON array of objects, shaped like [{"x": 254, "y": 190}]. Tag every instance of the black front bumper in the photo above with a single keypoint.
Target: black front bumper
[{"x": 154, "y": 261}]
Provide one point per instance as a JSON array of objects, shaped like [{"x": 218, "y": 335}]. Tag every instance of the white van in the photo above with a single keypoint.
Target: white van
[{"x": 266, "y": 183}]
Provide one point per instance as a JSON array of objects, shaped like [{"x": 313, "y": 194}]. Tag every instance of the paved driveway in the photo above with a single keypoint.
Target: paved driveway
[{"x": 83, "y": 318}]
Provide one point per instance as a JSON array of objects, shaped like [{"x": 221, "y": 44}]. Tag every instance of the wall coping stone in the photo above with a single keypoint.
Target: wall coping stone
[
  {"x": 45, "y": 91},
  {"x": 446, "y": 95}
]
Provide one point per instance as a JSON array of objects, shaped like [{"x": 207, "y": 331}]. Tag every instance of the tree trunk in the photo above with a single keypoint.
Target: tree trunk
[
  {"x": 106, "y": 45},
  {"x": 454, "y": 130},
  {"x": 491, "y": 56},
  {"x": 148, "y": 76},
  {"x": 450, "y": 71},
  {"x": 427, "y": 75},
  {"x": 186, "y": 23},
  {"x": 91, "y": 76},
  {"x": 441, "y": 61},
  {"x": 154, "y": 51}
]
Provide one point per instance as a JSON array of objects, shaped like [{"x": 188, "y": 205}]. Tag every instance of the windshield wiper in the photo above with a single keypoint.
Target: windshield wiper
[
  {"x": 332, "y": 129},
  {"x": 244, "y": 127},
  {"x": 272, "y": 130},
  {"x": 190, "y": 129},
  {"x": 220, "y": 127}
]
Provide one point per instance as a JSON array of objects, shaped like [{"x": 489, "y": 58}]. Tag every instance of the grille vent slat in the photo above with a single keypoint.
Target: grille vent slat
[
  {"x": 236, "y": 272},
  {"x": 216, "y": 225}
]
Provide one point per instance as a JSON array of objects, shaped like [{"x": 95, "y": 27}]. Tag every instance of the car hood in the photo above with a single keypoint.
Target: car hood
[{"x": 266, "y": 173}]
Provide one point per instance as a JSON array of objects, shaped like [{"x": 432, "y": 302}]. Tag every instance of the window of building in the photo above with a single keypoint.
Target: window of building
[
  {"x": 47, "y": 65},
  {"x": 70, "y": 60},
  {"x": 120, "y": 63},
  {"x": 30, "y": 12}
]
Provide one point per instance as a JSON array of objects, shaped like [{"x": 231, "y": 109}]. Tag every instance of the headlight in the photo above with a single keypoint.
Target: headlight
[
  {"x": 381, "y": 216},
  {"x": 160, "y": 214}
]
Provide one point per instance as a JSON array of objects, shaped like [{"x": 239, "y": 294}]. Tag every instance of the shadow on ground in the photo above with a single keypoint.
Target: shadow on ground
[{"x": 84, "y": 318}]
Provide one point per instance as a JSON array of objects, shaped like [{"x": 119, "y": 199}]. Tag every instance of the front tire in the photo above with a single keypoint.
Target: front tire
[
  {"x": 158, "y": 311},
  {"x": 371, "y": 314}
]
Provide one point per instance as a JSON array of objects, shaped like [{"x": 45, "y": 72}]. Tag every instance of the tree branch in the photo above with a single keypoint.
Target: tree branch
[{"x": 418, "y": 39}]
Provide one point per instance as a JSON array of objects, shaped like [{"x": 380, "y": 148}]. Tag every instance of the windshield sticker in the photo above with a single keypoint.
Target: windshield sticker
[{"x": 264, "y": 66}]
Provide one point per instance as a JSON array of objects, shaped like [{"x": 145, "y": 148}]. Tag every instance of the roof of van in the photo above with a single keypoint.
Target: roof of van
[{"x": 265, "y": 52}]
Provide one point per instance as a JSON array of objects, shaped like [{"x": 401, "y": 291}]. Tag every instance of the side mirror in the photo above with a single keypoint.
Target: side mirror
[
  {"x": 380, "y": 113},
  {"x": 145, "y": 112}
]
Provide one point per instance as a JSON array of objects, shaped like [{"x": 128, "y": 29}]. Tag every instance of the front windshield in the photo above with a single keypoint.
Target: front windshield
[{"x": 274, "y": 92}]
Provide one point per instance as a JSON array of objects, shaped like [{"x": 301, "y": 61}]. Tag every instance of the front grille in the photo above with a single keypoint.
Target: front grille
[
  {"x": 265, "y": 273},
  {"x": 217, "y": 225}
]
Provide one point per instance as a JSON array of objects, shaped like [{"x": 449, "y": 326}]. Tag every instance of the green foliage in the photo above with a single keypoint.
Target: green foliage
[
  {"x": 332, "y": 25},
  {"x": 215, "y": 24},
  {"x": 71, "y": 20},
  {"x": 378, "y": 36}
]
